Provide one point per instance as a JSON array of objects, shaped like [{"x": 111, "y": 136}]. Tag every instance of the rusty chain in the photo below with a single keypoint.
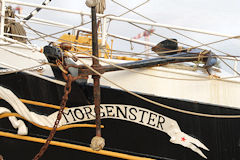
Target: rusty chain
[{"x": 67, "y": 90}]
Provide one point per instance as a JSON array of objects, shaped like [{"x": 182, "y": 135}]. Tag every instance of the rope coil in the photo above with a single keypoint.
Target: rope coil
[{"x": 13, "y": 27}]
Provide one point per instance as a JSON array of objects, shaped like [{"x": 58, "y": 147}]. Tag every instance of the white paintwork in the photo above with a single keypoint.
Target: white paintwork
[
  {"x": 205, "y": 90},
  {"x": 219, "y": 92},
  {"x": 21, "y": 57}
]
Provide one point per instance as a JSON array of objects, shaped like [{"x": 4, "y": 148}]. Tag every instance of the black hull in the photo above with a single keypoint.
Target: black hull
[{"x": 221, "y": 136}]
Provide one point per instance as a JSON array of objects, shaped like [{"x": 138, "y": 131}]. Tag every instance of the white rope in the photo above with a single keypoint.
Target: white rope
[
  {"x": 21, "y": 54},
  {"x": 99, "y": 4},
  {"x": 31, "y": 47},
  {"x": 17, "y": 124},
  {"x": 35, "y": 11},
  {"x": 22, "y": 110},
  {"x": 20, "y": 70}
]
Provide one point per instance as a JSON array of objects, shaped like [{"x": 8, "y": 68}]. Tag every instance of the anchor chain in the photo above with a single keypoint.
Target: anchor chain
[
  {"x": 67, "y": 90},
  {"x": 98, "y": 141}
]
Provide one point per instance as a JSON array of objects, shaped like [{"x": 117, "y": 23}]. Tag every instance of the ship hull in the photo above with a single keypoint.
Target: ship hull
[{"x": 132, "y": 126}]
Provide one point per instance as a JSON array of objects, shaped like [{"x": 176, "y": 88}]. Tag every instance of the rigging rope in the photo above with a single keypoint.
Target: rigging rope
[
  {"x": 59, "y": 82},
  {"x": 192, "y": 47},
  {"x": 201, "y": 78},
  {"x": 134, "y": 71},
  {"x": 36, "y": 10},
  {"x": 160, "y": 76},
  {"x": 179, "y": 50},
  {"x": 123, "y": 68},
  {"x": 24, "y": 69},
  {"x": 167, "y": 52},
  {"x": 157, "y": 103},
  {"x": 27, "y": 26},
  {"x": 50, "y": 35},
  {"x": 211, "y": 48},
  {"x": 177, "y": 33}
]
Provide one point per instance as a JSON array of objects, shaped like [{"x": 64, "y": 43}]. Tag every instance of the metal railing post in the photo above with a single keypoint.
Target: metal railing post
[
  {"x": 104, "y": 31},
  {"x": 235, "y": 66}
]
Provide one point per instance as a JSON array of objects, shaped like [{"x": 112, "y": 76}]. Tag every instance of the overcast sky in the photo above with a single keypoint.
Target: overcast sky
[{"x": 213, "y": 15}]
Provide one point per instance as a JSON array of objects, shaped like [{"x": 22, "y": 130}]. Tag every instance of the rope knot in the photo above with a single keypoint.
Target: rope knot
[
  {"x": 92, "y": 3},
  {"x": 99, "y": 4},
  {"x": 97, "y": 143}
]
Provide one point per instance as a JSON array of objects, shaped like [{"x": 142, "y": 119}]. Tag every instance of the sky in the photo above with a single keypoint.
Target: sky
[{"x": 212, "y": 15}]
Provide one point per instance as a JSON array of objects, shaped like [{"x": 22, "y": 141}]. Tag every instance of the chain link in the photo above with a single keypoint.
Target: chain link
[{"x": 67, "y": 90}]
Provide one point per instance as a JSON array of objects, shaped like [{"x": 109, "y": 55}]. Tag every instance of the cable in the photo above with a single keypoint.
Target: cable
[
  {"x": 177, "y": 33},
  {"x": 24, "y": 69},
  {"x": 167, "y": 51},
  {"x": 134, "y": 71},
  {"x": 159, "y": 104},
  {"x": 202, "y": 78}
]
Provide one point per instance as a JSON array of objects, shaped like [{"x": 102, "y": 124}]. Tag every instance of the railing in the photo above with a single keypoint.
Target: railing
[
  {"x": 105, "y": 19},
  {"x": 117, "y": 18}
]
